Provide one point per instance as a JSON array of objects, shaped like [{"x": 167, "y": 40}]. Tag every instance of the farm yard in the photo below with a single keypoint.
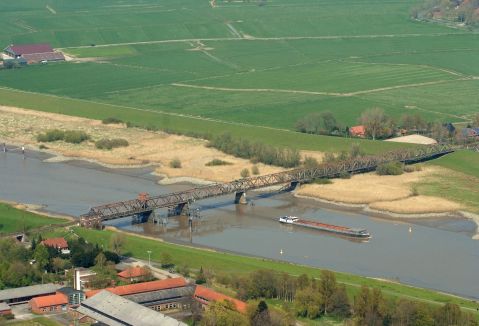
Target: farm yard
[{"x": 185, "y": 66}]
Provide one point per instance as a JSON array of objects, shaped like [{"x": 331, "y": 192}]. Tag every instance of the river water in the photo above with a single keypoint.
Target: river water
[{"x": 436, "y": 254}]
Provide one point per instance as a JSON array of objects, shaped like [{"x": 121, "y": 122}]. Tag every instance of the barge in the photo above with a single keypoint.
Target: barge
[{"x": 342, "y": 230}]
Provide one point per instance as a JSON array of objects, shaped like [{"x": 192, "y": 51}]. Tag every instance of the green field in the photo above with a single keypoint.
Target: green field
[
  {"x": 13, "y": 220},
  {"x": 226, "y": 263},
  {"x": 268, "y": 65}
]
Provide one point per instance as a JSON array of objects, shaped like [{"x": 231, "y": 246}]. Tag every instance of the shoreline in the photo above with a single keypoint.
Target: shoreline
[
  {"x": 37, "y": 209},
  {"x": 165, "y": 180},
  {"x": 223, "y": 251}
]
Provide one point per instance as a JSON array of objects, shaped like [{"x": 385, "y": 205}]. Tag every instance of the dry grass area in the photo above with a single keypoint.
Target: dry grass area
[
  {"x": 386, "y": 193},
  {"x": 22, "y": 126}
]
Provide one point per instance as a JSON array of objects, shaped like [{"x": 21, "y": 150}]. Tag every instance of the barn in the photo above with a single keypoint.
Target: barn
[{"x": 33, "y": 53}]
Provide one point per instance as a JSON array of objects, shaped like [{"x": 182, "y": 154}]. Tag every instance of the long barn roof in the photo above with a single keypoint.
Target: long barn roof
[{"x": 30, "y": 48}]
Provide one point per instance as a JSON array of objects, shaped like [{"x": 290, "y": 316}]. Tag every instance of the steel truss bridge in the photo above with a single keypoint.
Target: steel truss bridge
[{"x": 179, "y": 200}]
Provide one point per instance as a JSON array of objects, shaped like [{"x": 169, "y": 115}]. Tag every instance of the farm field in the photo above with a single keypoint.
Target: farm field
[{"x": 178, "y": 63}]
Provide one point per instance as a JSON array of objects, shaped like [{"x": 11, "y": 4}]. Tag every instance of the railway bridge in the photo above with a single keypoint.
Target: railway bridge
[{"x": 177, "y": 202}]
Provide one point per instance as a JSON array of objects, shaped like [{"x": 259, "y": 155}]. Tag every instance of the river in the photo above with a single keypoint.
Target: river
[{"x": 436, "y": 253}]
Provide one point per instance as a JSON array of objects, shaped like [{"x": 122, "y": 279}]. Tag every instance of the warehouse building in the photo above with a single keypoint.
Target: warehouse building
[
  {"x": 110, "y": 309},
  {"x": 26, "y": 293}
]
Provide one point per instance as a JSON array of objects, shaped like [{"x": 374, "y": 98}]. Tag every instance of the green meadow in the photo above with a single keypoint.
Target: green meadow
[{"x": 13, "y": 220}]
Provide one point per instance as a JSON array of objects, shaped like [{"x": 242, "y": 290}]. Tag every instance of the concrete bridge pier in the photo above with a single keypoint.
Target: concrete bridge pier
[
  {"x": 240, "y": 197},
  {"x": 178, "y": 210},
  {"x": 142, "y": 217}
]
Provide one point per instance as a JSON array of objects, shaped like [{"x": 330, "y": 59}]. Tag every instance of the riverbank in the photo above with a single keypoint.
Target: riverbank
[
  {"x": 219, "y": 262},
  {"x": 146, "y": 148},
  {"x": 16, "y": 217}
]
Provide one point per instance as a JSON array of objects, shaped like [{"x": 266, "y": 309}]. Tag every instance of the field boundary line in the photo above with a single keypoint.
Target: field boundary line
[
  {"x": 382, "y": 89},
  {"x": 259, "y": 90},
  {"x": 278, "y": 38}
]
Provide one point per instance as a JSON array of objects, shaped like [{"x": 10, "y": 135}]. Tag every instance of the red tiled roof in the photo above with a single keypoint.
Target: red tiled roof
[
  {"x": 30, "y": 48},
  {"x": 133, "y": 272},
  {"x": 59, "y": 243},
  {"x": 49, "y": 300},
  {"x": 47, "y": 56},
  {"x": 168, "y": 283},
  {"x": 205, "y": 295},
  {"x": 358, "y": 130}
]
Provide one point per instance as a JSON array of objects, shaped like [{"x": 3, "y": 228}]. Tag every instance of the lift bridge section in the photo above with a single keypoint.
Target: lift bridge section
[{"x": 178, "y": 202}]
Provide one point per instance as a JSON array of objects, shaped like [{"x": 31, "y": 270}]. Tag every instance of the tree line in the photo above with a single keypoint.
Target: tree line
[
  {"x": 378, "y": 125},
  {"x": 314, "y": 299},
  {"x": 22, "y": 266}
]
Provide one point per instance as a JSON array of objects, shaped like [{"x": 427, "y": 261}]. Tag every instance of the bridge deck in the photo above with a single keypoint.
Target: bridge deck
[{"x": 328, "y": 170}]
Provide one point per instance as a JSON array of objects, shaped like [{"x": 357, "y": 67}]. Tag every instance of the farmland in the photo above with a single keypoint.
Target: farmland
[{"x": 178, "y": 63}]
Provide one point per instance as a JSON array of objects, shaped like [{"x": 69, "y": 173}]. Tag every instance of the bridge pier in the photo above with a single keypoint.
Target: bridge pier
[
  {"x": 240, "y": 197},
  {"x": 142, "y": 217},
  {"x": 180, "y": 209}
]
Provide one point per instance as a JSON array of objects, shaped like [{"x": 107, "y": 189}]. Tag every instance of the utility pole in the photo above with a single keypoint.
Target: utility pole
[{"x": 149, "y": 258}]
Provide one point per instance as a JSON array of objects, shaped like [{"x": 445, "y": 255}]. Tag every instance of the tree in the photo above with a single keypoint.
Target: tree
[
  {"x": 339, "y": 303},
  {"x": 117, "y": 242},
  {"x": 223, "y": 313},
  {"x": 263, "y": 284},
  {"x": 59, "y": 264},
  {"x": 329, "y": 122},
  {"x": 369, "y": 309},
  {"x": 41, "y": 257},
  {"x": 100, "y": 261},
  {"x": 166, "y": 260},
  {"x": 260, "y": 315},
  {"x": 302, "y": 282},
  {"x": 376, "y": 122},
  {"x": 201, "y": 278},
  {"x": 447, "y": 315},
  {"x": 307, "y": 303},
  {"x": 327, "y": 288}
]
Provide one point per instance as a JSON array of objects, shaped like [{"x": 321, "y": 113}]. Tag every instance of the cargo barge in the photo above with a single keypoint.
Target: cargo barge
[{"x": 342, "y": 230}]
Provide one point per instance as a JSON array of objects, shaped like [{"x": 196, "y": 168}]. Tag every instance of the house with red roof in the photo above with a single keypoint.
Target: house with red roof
[
  {"x": 134, "y": 274},
  {"x": 34, "y": 53},
  {"x": 358, "y": 131},
  {"x": 57, "y": 243},
  {"x": 205, "y": 295},
  {"x": 122, "y": 290},
  {"x": 49, "y": 303}
]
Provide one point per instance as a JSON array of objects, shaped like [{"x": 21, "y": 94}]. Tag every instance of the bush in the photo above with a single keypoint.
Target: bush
[
  {"x": 391, "y": 168},
  {"x": 111, "y": 120},
  {"x": 106, "y": 143},
  {"x": 414, "y": 191},
  {"x": 51, "y": 136},
  {"x": 322, "y": 181},
  {"x": 345, "y": 175},
  {"x": 244, "y": 173},
  {"x": 257, "y": 152},
  {"x": 310, "y": 162},
  {"x": 42, "y": 146},
  {"x": 175, "y": 163},
  {"x": 69, "y": 136},
  {"x": 75, "y": 136},
  {"x": 409, "y": 168},
  {"x": 217, "y": 162},
  {"x": 255, "y": 170}
]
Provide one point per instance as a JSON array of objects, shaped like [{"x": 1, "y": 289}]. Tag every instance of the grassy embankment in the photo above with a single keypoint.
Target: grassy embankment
[
  {"x": 186, "y": 124},
  {"x": 461, "y": 185},
  {"x": 13, "y": 219},
  {"x": 236, "y": 264}
]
